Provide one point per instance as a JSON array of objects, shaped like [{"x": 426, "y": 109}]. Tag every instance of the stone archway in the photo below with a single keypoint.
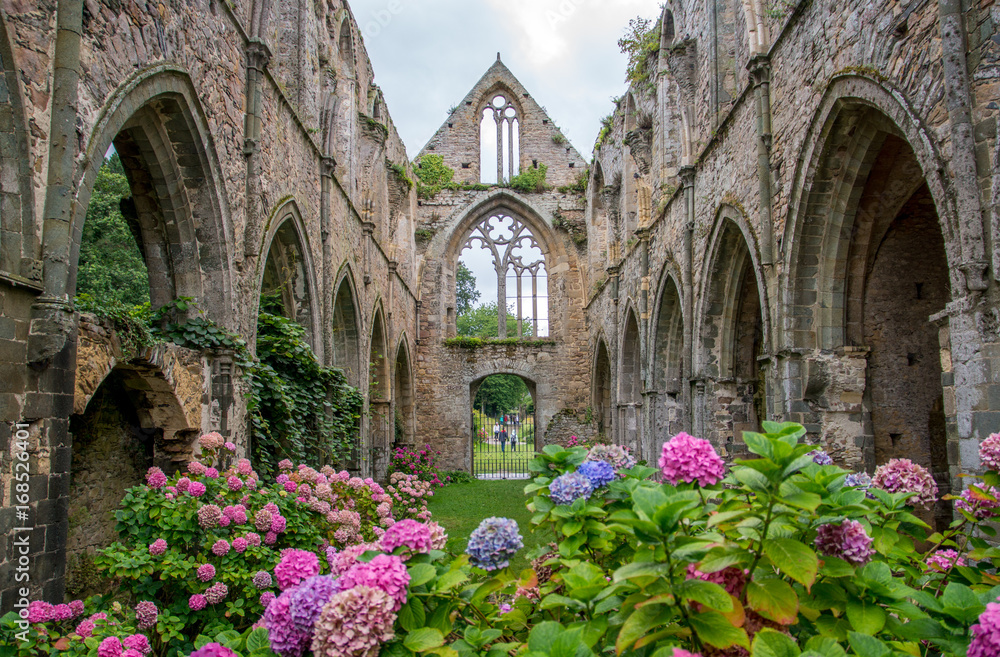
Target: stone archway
[
  {"x": 505, "y": 439},
  {"x": 601, "y": 398},
  {"x": 630, "y": 386},
  {"x": 404, "y": 430},
  {"x": 666, "y": 367},
  {"x": 346, "y": 345}
]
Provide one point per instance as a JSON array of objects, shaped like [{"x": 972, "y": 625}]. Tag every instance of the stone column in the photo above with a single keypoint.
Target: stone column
[{"x": 687, "y": 275}]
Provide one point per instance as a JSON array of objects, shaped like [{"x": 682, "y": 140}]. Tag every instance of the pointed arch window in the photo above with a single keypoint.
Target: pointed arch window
[
  {"x": 500, "y": 140},
  {"x": 521, "y": 275}
]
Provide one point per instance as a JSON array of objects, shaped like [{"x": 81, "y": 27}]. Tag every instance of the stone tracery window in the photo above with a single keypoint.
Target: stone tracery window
[
  {"x": 499, "y": 138},
  {"x": 518, "y": 263}
]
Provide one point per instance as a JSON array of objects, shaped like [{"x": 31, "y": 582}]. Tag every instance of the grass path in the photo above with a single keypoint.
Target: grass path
[{"x": 461, "y": 507}]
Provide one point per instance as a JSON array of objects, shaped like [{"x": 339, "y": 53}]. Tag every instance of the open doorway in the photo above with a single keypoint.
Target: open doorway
[{"x": 503, "y": 426}]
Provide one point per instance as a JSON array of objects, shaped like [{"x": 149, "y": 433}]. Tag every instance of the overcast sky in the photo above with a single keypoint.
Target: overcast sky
[{"x": 428, "y": 54}]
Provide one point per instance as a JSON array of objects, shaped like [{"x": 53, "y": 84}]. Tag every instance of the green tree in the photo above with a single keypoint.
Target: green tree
[
  {"x": 111, "y": 264},
  {"x": 502, "y": 393},
  {"x": 484, "y": 322},
  {"x": 466, "y": 294}
]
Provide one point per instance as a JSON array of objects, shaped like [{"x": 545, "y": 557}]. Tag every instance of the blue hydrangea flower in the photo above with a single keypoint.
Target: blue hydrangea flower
[
  {"x": 820, "y": 457},
  {"x": 858, "y": 480},
  {"x": 493, "y": 543},
  {"x": 599, "y": 473},
  {"x": 569, "y": 487}
]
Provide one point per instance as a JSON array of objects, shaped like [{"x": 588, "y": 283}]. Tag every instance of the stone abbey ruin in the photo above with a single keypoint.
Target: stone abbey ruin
[{"x": 793, "y": 214}]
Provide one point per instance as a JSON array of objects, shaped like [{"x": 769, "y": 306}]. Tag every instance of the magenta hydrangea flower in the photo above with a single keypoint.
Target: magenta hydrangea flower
[
  {"x": 196, "y": 489},
  {"x": 213, "y": 650},
  {"x": 231, "y": 446},
  {"x": 986, "y": 633},
  {"x": 254, "y": 539},
  {"x": 85, "y": 629},
  {"x": 216, "y": 593},
  {"x": 943, "y": 560},
  {"x": 131, "y": 652},
  {"x": 234, "y": 483},
  {"x": 197, "y": 468},
  {"x": 848, "y": 541},
  {"x": 290, "y": 486},
  {"x": 110, "y": 647},
  {"x": 62, "y": 612},
  {"x": 989, "y": 452},
  {"x": 205, "y": 572},
  {"x": 386, "y": 572},
  {"x": 244, "y": 467},
  {"x": 182, "y": 484},
  {"x": 278, "y": 524},
  {"x": 686, "y": 458},
  {"x": 355, "y": 623},
  {"x": 414, "y": 536},
  {"x": 266, "y": 598},
  {"x": 209, "y": 516},
  {"x": 212, "y": 473},
  {"x": 285, "y": 464},
  {"x": 39, "y": 612},
  {"x": 240, "y": 544},
  {"x": 77, "y": 607},
  {"x": 146, "y": 615},
  {"x": 681, "y": 652},
  {"x": 138, "y": 642},
  {"x": 220, "y": 548},
  {"x": 295, "y": 566},
  {"x": 286, "y": 639},
  {"x": 981, "y": 504},
  {"x": 905, "y": 476},
  {"x": 155, "y": 478}
]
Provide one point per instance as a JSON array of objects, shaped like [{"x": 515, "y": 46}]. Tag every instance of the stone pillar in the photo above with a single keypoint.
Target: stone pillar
[
  {"x": 687, "y": 283},
  {"x": 258, "y": 55}
]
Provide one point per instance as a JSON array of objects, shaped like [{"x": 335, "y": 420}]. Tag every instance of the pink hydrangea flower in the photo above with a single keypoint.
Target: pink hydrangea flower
[
  {"x": 224, "y": 521},
  {"x": 413, "y": 535},
  {"x": 220, "y": 548},
  {"x": 989, "y": 452},
  {"x": 244, "y": 467},
  {"x": 212, "y": 473},
  {"x": 62, "y": 612},
  {"x": 85, "y": 629},
  {"x": 231, "y": 446},
  {"x": 196, "y": 489},
  {"x": 285, "y": 464},
  {"x": 155, "y": 478},
  {"x": 209, "y": 516},
  {"x": 254, "y": 539},
  {"x": 216, "y": 593},
  {"x": 206, "y": 572},
  {"x": 385, "y": 572},
  {"x": 266, "y": 598},
  {"x": 355, "y": 622},
  {"x": 240, "y": 544},
  {"x": 131, "y": 652},
  {"x": 110, "y": 647},
  {"x": 197, "y": 468},
  {"x": 848, "y": 541},
  {"x": 686, "y": 458},
  {"x": 295, "y": 566},
  {"x": 234, "y": 483},
  {"x": 905, "y": 476},
  {"x": 278, "y": 524},
  {"x": 732, "y": 579},
  {"x": 77, "y": 607},
  {"x": 290, "y": 486},
  {"x": 943, "y": 560},
  {"x": 158, "y": 547},
  {"x": 138, "y": 642},
  {"x": 211, "y": 441},
  {"x": 197, "y": 602},
  {"x": 982, "y": 503},
  {"x": 986, "y": 633}
]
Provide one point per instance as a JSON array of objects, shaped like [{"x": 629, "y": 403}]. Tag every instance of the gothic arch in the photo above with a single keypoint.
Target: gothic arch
[
  {"x": 18, "y": 229},
  {"x": 732, "y": 280},
  {"x": 508, "y": 117},
  {"x": 158, "y": 128},
  {"x": 347, "y": 327},
  {"x": 602, "y": 398},
  {"x": 666, "y": 351},
  {"x": 668, "y": 29},
  {"x": 853, "y": 123},
  {"x": 630, "y": 381},
  {"x": 288, "y": 270},
  {"x": 403, "y": 394},
  {"x": 378, "y": 359}
]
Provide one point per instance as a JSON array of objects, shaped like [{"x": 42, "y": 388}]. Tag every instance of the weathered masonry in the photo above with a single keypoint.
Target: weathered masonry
[{"x": 793, "y": 214}]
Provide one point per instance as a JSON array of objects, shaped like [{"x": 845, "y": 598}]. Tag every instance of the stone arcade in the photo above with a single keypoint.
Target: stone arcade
[{"x": 793, "y": 214}]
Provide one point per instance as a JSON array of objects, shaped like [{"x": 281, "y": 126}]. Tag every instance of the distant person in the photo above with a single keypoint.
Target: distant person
[
  {"x": 513, "y": 440},
  {"x": 503, "y": 440}
]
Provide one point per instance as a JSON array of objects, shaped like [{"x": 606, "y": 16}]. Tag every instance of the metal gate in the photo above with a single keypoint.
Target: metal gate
[{"x": 502, "y": 445}]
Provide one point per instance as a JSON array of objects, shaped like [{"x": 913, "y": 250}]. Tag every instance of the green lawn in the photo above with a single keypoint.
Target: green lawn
[{"x": 461, "y": 507}]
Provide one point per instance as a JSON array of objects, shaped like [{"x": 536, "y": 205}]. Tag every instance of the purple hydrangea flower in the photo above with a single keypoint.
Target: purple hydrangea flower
[
  {"x": 686, "y": 458},
  {"x": 266, "y": 598},
  {"x": 820, "y": 457},
  {"x": 567, "y": 488},
  {"x": 494, "y": 542},
  {"x": 197, "y": 602},
  {"x": 905, "y": 476},
  {"x": 599, "y": 473},
  {"x": 286, "y": 639},
  {"x": 262, "y": 579},
  {"x": 146, "y": 615},
  {"x": 307, "y": 600},
  {"x": 213, "y": 650},
  {"x": 986, "y": 633},
  {"x": 848, "y": 541}
]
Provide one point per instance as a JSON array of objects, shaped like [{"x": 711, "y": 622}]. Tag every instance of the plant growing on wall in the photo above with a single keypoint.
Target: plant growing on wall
[{"x": 530, "y": 180}]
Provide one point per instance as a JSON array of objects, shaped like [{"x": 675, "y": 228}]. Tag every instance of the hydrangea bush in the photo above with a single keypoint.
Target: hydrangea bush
[
  {"x": 201, "y": 551},
  {"x": 777, "y": 555}
]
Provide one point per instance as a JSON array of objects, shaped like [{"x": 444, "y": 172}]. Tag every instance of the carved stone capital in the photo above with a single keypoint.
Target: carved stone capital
[
  {"x": 759, "y": 67},
  {"x": 687, "y": 174},
  {"x": 258, "y": 54},
  {"x": 327, "y": 165}
]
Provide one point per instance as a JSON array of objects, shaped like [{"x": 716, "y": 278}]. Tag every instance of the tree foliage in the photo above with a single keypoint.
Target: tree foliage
[
  {"x": 641, "y": 42},
  {"x": 111, "y": 264},
  {"x": 502, "y": 393},
  {"x": 484, "y": 322},
  {"x": 466, "y": 294}
]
